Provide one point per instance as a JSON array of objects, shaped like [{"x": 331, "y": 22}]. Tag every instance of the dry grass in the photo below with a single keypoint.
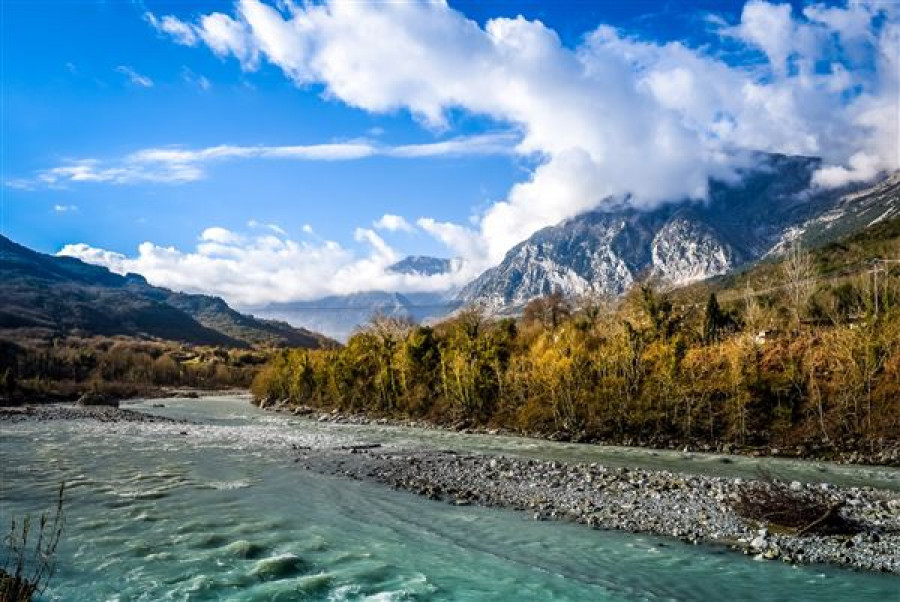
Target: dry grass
[{"x": 29, "y": 554}]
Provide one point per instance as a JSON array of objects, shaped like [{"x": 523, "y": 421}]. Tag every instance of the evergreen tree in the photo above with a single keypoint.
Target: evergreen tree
[{"x": 714, "y": 320}]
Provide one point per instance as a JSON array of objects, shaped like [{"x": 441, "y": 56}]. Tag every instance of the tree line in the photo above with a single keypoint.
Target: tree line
[
  {"x": 66, "y": 367},
  {"x": 806, "y": 362}
]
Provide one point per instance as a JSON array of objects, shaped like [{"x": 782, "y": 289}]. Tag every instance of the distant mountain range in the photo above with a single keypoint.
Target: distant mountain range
[
  {"x": 339, "y": 315},
  {"x": 44, "y": 296},
  {"x": 601, "y": 252},
  {"x": 605, "y": 252}
]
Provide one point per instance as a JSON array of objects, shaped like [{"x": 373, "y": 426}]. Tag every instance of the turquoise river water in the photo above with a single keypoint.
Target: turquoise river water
[{"x": 223, "y": 513}]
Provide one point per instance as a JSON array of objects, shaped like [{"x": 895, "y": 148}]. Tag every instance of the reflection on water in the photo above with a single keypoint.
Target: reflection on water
[{"x": 220, "y": 513}]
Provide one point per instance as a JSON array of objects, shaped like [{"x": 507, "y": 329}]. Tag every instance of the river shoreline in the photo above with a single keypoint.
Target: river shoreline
[
  {"x": 693, "y": 508},
  {"x": 888, "y": 456}
]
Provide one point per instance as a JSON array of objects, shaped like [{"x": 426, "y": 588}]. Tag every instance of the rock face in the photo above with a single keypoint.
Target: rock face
[
  {"x": 853, "y": 211},
  {"x": 684, "y": 251},
  {"x": 606, "y": 251}
]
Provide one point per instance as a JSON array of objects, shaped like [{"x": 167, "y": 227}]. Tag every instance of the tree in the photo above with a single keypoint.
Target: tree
[
  {"x": 550, "y": 311},
  {"x": 799, "y": 273},
  {"x": 712, "y": 320},
  {"x": 661, "y": 312},
  {"x": 716, "y": 321}
]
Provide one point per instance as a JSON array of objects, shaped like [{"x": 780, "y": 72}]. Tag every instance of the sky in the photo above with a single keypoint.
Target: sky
[{"x": 269, "y": 150}]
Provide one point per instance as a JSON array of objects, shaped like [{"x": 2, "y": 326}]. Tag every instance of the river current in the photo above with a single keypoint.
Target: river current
[{"x": 223, "y": 513}]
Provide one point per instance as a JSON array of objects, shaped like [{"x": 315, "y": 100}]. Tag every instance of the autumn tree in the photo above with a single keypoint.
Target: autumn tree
[{"x": 799, "y": 273}]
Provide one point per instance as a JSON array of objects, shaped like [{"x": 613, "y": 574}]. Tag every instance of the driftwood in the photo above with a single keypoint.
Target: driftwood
[
  {"x": 804, "y": 510},
  {"x": 361, "y": 447},
  {"x": 829, "y": 516}
]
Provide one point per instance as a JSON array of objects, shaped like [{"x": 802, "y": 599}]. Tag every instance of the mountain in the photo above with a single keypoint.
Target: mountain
[
  {"x": 605, "y": 252},
  {"x": 421, "y": 265},
  {"x": 853, "y": 212},
  {"x": 45, "y": 295},
  {"x": 338, "y": 316}
]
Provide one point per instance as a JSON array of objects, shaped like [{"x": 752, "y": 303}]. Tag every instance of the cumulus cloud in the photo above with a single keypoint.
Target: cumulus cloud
[
  {"x": 614, "y": 118},
  {"x": 65, "y": 208},
  {"x": 134, "y": 77},
  {"x": 178, "y": 165},
  {"x": 392, "y": 223},
  {"x": 253, "y": 268}
]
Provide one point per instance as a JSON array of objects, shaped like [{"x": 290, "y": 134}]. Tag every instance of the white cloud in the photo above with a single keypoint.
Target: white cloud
[
  {"x": 114, "y": 261},
  {"x": 392, "y": 223},
  {"x": 769, "y": 27},
  {"x": 195, "y": 79},
  {"x": 615, "y": 117},
  {"x": 178, "y": 165},
  {"x": 252, "y": 269},
  {"x": 273, "y": 227},
  {"x": 220, "y": 235},
  {"x": 134, "y": 77},
  {"x": 65, "y": 208},
  {"x": 467, "y": 244},
  {"x": 180, "y": 32}
]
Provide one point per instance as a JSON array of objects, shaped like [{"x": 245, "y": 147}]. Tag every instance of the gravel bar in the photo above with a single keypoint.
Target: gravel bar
[
  {"x": 693, "y": 508},
  {"x": 43, "y": 413}
]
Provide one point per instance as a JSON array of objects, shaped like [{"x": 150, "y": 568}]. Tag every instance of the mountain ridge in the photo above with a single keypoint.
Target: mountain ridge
[
  {"x": 58, "y": 295},
  {"x": 604, "y": 252}
]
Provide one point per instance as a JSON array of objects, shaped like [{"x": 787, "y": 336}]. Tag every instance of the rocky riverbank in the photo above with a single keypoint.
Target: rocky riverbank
[
  {"x": 696, "y": 509},
  {"x": 883, "y": 453},
  {"x": 46, "y": 412}
]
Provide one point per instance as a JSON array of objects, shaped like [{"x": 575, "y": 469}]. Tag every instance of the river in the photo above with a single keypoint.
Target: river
[{"x": 223, "y": 513}]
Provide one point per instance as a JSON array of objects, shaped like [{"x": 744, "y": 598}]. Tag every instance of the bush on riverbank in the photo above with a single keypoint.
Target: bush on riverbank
[
  {"x": 797, "y": 365},
  {"x": 65, "y": 369},
  {"x": 28, "y": 557}
]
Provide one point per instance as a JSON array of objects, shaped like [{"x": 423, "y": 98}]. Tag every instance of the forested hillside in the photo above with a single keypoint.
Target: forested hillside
[
  {"x": 46, "y": 297},
  {"x": 799, "y": 354}
]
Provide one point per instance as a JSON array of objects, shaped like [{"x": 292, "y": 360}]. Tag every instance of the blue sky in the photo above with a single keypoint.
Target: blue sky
[
  {"x": 89, "y": 86},
  {"x": 64, "y": 98}
]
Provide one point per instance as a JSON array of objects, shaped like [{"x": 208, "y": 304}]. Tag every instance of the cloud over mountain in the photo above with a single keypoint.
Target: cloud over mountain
[
  {"x": 615, "y": 119},
  {"x": 616, "y": 116},
  {"x": 252, "y": 268}
]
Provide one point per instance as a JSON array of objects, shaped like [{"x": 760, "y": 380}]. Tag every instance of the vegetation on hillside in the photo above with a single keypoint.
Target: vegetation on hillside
[
  {"x": 49, "y": 297},
  {"x": 794, "y": 353},
  {"x": 63, "y": 369}
]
